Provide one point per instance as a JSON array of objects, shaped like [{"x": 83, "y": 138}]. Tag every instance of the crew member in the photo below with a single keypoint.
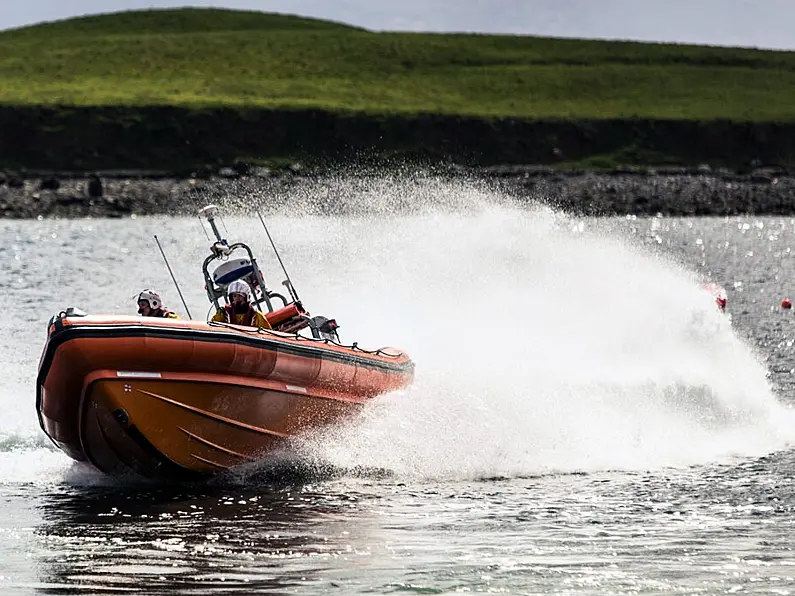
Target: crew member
[
  {"x": 151, "y": 305},
  {"x": 240, "y": 311}
]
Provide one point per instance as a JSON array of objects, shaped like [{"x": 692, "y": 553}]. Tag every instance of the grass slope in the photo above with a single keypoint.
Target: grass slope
[{"x": 223, "y": 58}]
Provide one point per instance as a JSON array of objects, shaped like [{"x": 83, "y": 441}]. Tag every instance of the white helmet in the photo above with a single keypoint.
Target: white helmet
[
  {"x": 239, "y": 287},
  {"x": 152, "y": 297}
]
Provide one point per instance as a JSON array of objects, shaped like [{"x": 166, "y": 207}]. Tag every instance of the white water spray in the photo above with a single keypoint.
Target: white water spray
[{"x": 540, "y": 347}]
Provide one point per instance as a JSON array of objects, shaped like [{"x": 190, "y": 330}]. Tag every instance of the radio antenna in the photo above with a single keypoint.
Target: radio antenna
[
  {"x": 173, "y": 278},
  {"x": 203, "y": 228},
  {"x": 288, "y": 282}
]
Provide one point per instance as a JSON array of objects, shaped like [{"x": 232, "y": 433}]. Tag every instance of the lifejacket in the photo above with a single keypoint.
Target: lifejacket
[
  {"x": 164, "y": 314},
  {"x": 230, "y": 316}
]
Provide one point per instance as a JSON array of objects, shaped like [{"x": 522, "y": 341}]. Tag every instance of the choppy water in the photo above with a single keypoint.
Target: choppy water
[{"x": 583, "y": 420}]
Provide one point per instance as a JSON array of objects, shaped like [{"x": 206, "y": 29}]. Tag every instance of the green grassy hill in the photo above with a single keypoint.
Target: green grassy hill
[
  {"x": 196, "y": 57},
  {"x": 210, "y": 59}
]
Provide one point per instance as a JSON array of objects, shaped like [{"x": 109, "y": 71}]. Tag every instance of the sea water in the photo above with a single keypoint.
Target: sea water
[{"x": 583, "y": 420}]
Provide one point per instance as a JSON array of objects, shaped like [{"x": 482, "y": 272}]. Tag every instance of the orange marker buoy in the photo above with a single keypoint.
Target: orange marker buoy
[{"x": 786, "y": 304}]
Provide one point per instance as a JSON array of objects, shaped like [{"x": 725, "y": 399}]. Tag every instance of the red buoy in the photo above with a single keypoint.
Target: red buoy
[{"x": 786, "y": 304}]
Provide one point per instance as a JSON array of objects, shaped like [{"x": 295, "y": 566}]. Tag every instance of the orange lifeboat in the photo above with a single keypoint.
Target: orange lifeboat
[{"x": 170, "y": 398}]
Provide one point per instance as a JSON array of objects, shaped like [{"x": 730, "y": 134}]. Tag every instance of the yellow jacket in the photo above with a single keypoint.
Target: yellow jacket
[{"x": 252, "y": 318}]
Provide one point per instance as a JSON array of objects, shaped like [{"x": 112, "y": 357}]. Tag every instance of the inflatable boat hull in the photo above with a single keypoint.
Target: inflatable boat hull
[{"x": 168, "y": 398}]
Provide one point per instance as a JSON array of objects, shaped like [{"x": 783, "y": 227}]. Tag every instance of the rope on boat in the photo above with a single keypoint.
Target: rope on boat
[{"x": 296, "y": 336}]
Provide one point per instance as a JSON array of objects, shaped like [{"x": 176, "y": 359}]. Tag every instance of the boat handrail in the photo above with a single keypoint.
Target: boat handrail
[{"x": 214, "y": 293}]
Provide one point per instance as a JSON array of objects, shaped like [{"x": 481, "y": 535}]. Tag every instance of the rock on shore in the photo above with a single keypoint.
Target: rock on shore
[{"x": 616, "y": 193}]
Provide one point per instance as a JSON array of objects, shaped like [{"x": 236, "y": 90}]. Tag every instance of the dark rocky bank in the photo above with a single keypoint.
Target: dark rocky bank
[
  {"x": 674, "y": 192},
  {"x": 185, "y": 140},
  {"x": 191, "y": 146}
]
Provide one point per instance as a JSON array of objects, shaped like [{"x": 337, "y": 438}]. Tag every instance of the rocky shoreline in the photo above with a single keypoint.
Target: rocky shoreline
[
  {"x": 674, "y": 193},
  {"x": 700, "y": 192}
]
